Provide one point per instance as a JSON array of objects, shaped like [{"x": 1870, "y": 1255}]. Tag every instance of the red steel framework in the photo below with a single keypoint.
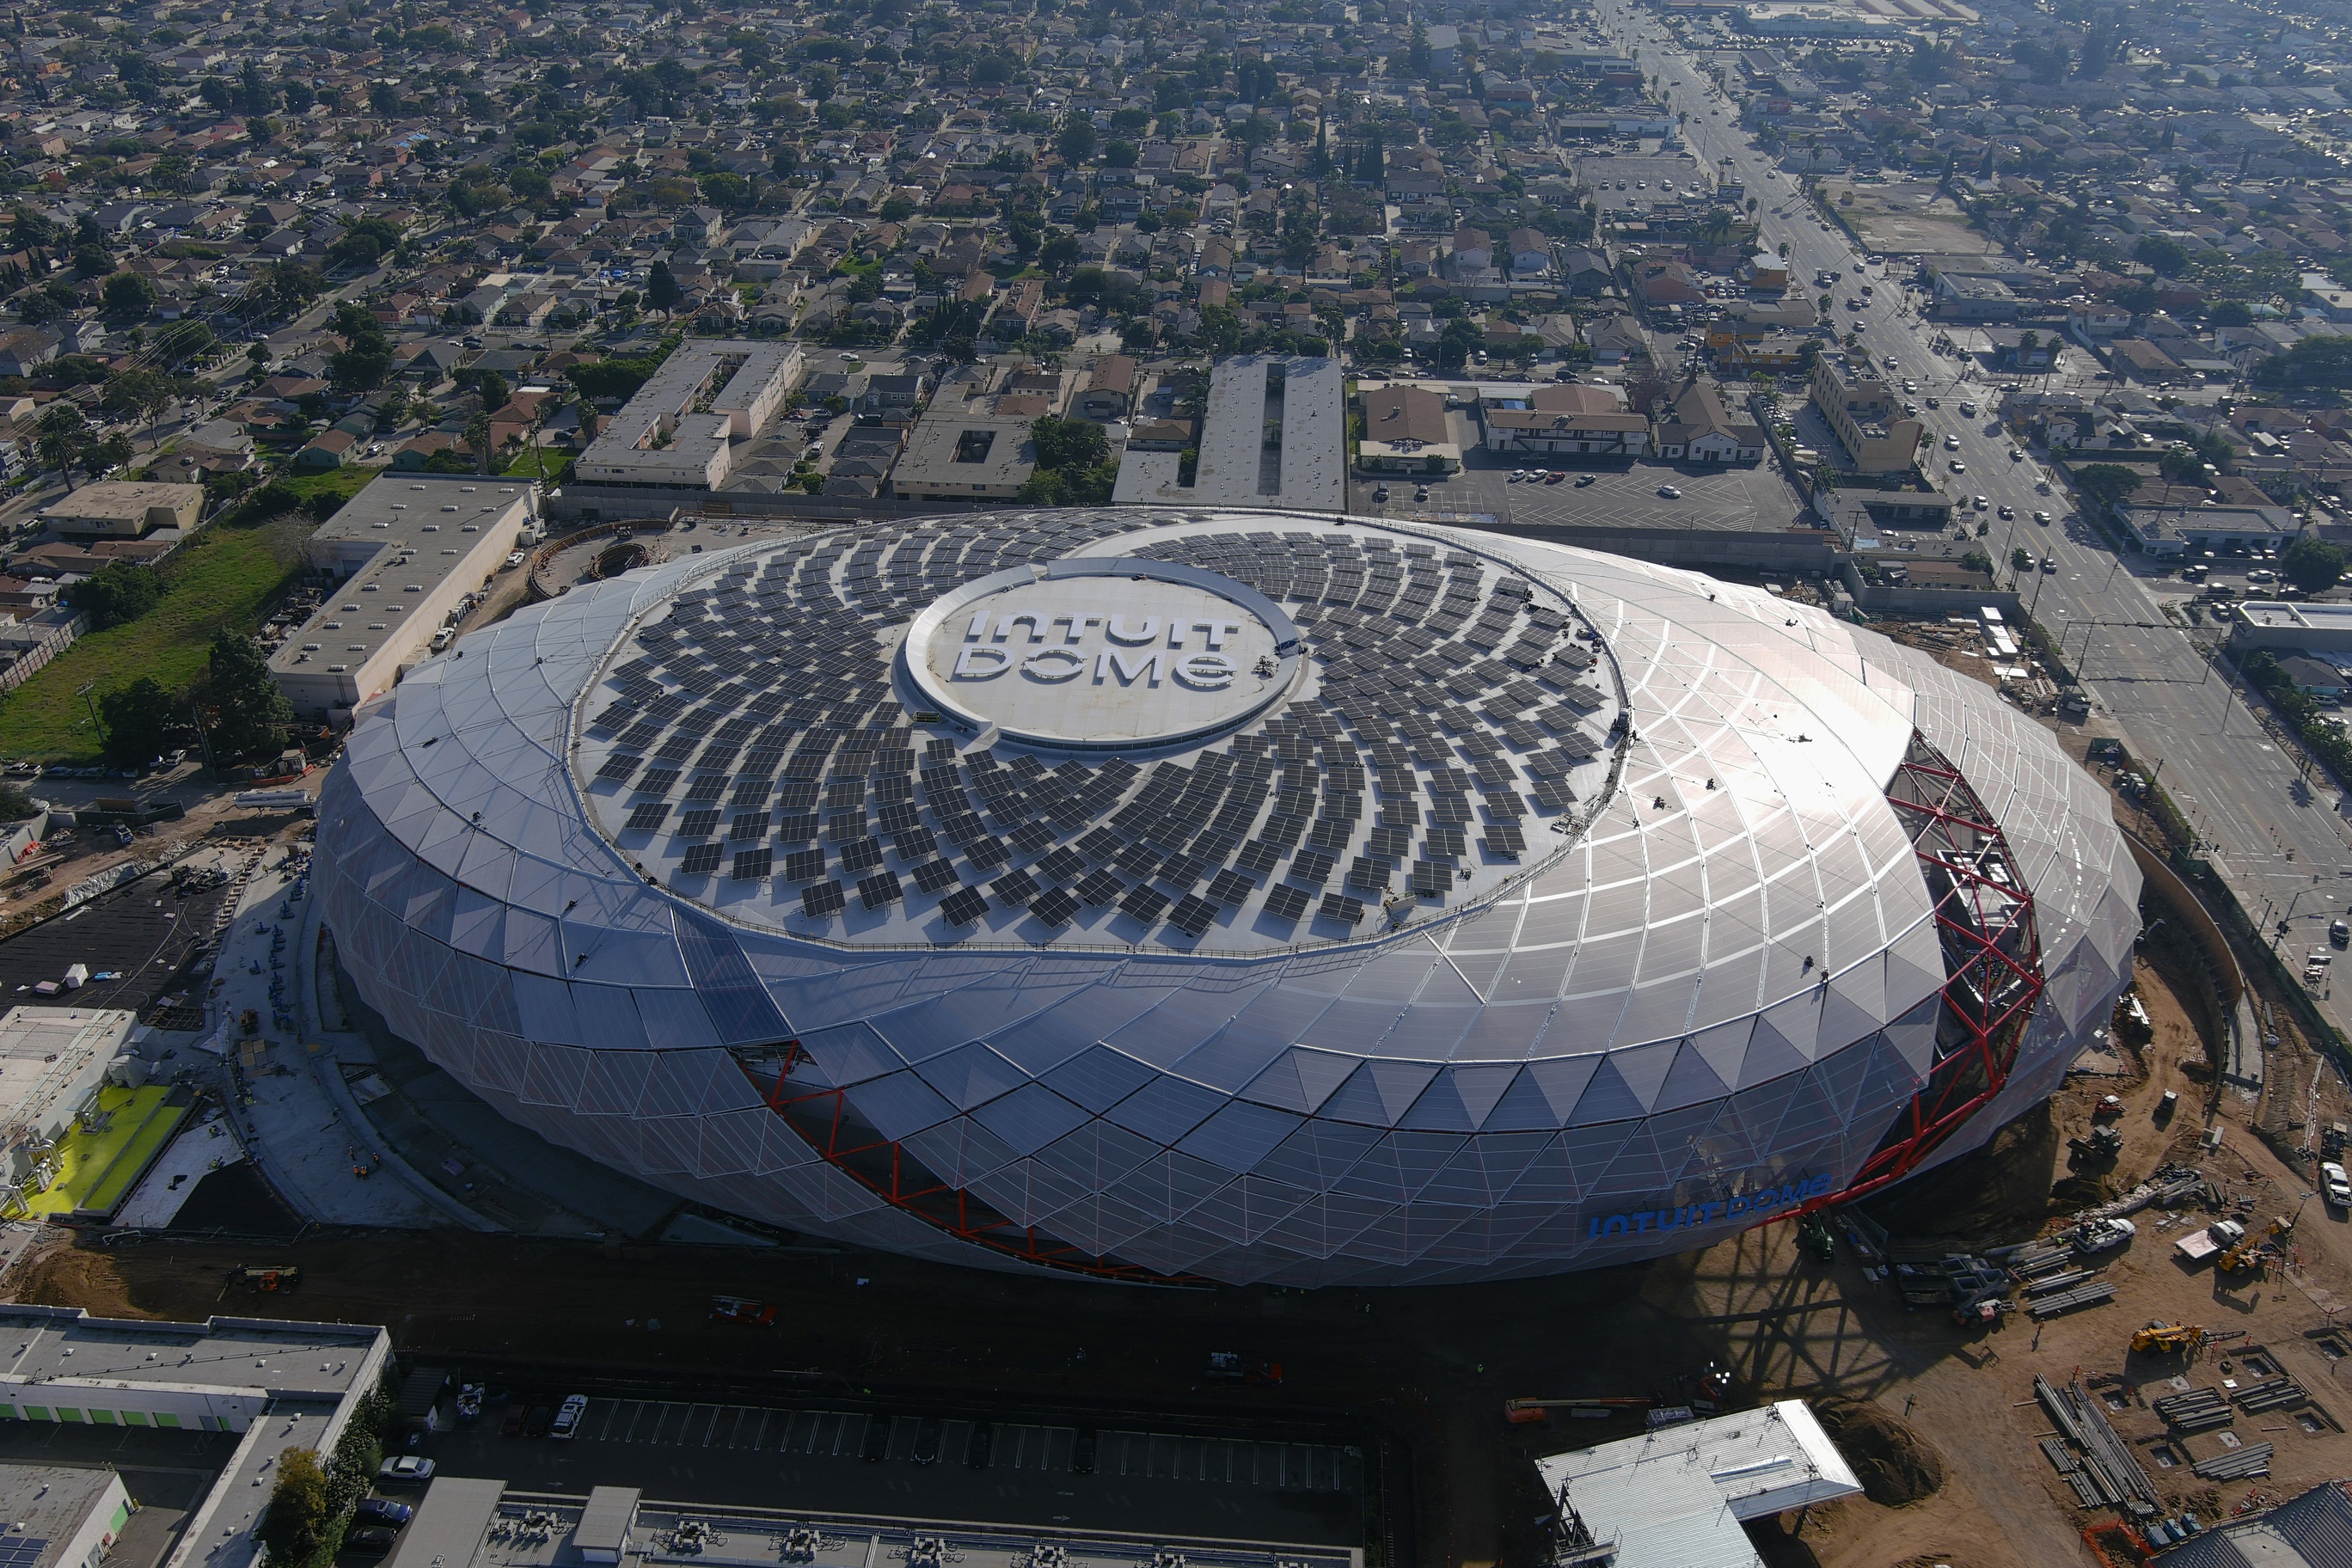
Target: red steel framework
[
  {"x": 831, "y": 1126},
  {"x": 1992, "y": 955}
]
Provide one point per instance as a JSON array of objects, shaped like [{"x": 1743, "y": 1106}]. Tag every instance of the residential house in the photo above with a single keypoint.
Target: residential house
[
  {"x": 1696, "y": 428},
  {"x": 1571, "y": 420},
  {"x": 1406, "y": 431}
]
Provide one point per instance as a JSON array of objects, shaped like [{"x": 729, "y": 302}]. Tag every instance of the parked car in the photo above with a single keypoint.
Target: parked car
[
  {"x": 407, "y": 1468},
  {"x": 382, "y": 1511},
  {"x": 1584, "y": 480},
  {"x": 568, "y": 1416},
  {"x": 1671, "y": 492},
  {"x": 2339, "y": 1186},
  {"x": 370, "y": 1540}
]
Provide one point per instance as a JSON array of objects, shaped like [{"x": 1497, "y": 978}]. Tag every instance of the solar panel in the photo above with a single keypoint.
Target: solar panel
[
  {"x": 1055, "y": 907},
  {"x": 1231, "y": 886},
  {"x": 933, "y": 875},
  {"x": 748, "y": 825},
  {"x": 825, "y": 898},
  {"x": 700, "y": 860},
  {"x": 1286, "y": 903},
  {"x": 1193, "y": 915},
  {"x": 1258, "y": 855},
  {"x": 880, "y": 889},
  {"x": 752, "y": 864},
  {"x": 1369, "y": 875},
  {"x": 987, "y": 852},
  {"x": 1312, "y": 867},
  {"x": 1144, "y": 904},
  {"x": 963, "y": 906},
  {"x": 1062, "y": 865},
  {"x": 917, "y": 845},
  {"x": 796, "y": 827},
  {"x": 1099, "y": 888},
  {"x": 861, "y": 854},
  {"x": 803, "y": 865},
  {"x": 1015, "y": 888},
  {"x": 646, "y": 818},
  {"x": 699, "y": 824},
  {"x": 1340, "y": 908}
]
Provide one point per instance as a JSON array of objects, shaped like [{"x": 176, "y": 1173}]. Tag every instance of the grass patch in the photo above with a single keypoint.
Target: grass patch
[
  {"x": 539, "y": 463},
  {"x": 223, "y": 577}
]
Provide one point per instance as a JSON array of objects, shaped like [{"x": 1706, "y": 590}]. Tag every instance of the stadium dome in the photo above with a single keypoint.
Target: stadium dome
[{"x": 1230, "y": 897}]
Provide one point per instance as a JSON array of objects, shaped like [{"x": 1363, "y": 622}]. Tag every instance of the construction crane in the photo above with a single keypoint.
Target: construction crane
[
  {"x": 1525, "y": 1412},
  {"x": 2167, "y": 1338},
  {"x": 2247, "y": 1255}
]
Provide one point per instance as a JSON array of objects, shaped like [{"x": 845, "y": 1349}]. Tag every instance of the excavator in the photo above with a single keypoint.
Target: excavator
[
  {"x": 2249, "y": 1255},
  {"x": 2167, "y": 1338}
]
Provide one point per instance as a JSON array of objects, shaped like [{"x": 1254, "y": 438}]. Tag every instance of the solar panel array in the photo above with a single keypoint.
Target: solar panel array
[{"x": 753, "y": 731}]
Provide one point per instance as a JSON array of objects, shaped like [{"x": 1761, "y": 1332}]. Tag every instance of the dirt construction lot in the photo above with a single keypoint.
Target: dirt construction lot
[{"x": 1429, "y": 1368}]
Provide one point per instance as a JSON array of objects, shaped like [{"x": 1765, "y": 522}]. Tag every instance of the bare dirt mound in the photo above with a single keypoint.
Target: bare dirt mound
[{"x": 1894, "y": 1464}]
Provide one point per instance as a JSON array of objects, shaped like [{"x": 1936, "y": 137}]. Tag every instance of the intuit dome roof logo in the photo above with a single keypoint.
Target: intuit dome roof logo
[
  {"x": 1104, "y": 655},
  {"x": 1748, "y": 1208}
]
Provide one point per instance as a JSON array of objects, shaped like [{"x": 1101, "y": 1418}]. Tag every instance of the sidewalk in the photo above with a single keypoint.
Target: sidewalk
[{"x": 289, "y": 1126}]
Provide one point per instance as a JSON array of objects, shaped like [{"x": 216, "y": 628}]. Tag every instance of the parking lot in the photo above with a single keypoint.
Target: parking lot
[
  {"x": 1746, "y": 498},
  {"x": 1136, "y": 1475}
]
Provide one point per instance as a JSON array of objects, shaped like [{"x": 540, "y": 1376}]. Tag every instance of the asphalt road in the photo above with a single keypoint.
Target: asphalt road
[{"x": 2284, "y": 846}]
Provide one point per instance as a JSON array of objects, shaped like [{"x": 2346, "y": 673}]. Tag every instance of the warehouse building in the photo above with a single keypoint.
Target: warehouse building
[
  {"x": 401, "y": 553},
  {"x": 1676, "y": 1497}
]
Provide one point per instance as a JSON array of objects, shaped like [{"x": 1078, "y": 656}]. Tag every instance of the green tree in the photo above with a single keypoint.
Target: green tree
[
  {"x": 2163, "y": 254},
  {"x": 60, "y": 438},
  {"x": 2020, "y": 559},
  {"x": 1456, "y": 343},
  {"x": 2106, "y": 483},
  {"x": 2313, "y": 362},
  {"x": 139, "y": 719},
  {"x": 115, "y": 592},
  {"x": 127, "y": 296},
  {"x": 294, "y": 1524},
  {"x": 140, "y": 393},
  {"x": 244, "y": 710},
  {"x": 1058, "y": 251},
  {"x": 492, "y": 388},
  {"x": 15, "y": 802},
  {"x": 2313, "y": 564},
  {"x": 366, "y": 358},
  {"x": 662, "y": 291},
  {"x": 1075, "y": 143}
]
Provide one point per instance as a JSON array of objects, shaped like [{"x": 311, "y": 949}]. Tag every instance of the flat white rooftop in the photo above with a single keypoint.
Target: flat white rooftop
[
  {"x": 1676, "y": 1497},
  {"x": 48, "y": 1056},
  {"x": 2286, "y": 613},
  {"x": 1273, "y": 438}
]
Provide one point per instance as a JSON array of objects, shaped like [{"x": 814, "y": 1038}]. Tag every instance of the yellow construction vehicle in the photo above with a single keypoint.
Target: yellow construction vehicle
[
  {"x": 2167, "y": 1338},
  {"x": 2247, "y": 1255}
]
